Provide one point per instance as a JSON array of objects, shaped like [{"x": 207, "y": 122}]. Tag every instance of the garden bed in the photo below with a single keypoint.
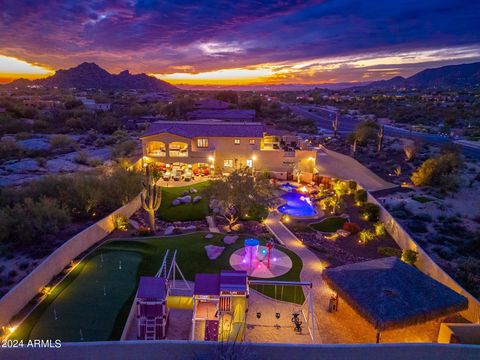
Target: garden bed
[{"x": 329, "y": 224}]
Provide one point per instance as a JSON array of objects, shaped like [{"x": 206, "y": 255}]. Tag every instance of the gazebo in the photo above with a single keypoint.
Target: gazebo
[{"x": 390, "y": 294}]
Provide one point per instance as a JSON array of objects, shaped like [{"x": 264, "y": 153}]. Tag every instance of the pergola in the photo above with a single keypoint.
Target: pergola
[{"x": 390, "y": 294}]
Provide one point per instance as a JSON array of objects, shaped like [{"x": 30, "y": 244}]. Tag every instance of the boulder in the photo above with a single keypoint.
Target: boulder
[
  {"x": 213, "y": 204},
  {"x": 230, "y": 239},
  {"x": 134, "y": 224},
  {"x": 185, "y": 199},
  {"x": 176, "y": 202},
  {"x": 23, "y": 166},
  {"x": 190, "y": 228},
  {"x": 216, "y": 210},
  {"x": 196, "y": 199},
  {"x": 209, "y": 236},
  {"x": 169, "y": 230},
  {"x": 193, "y": 191},
  {"x": 213, "y": 251},
  {"x": 185, "y": 192}
]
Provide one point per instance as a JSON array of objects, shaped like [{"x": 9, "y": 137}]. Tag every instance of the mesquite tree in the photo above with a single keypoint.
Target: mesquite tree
[{"x": 151, "y": 197}]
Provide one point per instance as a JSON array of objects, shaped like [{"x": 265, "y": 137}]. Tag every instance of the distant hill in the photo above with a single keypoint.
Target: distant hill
[
  {"x": 271, "y": 87},
  {"x": 92, "y": 76},
  {"x": 451, "y": 76}
]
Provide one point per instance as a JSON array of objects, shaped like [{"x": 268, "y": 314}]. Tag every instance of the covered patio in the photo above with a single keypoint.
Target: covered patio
[{"x": 390, "y": 294}]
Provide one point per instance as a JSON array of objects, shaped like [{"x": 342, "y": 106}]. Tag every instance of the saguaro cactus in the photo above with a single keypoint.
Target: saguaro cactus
[
  {"x": 380, "y": 139},
  {"x": 335, "y": 125},
  {"x": 151, "y": 197}
]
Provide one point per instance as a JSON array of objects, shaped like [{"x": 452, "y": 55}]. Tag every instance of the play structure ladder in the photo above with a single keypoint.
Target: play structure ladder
[{"x": 150, "y": 329}]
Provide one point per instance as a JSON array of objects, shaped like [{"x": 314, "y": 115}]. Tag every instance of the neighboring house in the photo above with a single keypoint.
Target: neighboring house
[
  {"x": 226, "y": 114},
  {"x": 41, "y": 103},
  {"x": 91, "y": 105},
  {"x": 224, "y": 147},
  {"x": 211, "y": 104}
]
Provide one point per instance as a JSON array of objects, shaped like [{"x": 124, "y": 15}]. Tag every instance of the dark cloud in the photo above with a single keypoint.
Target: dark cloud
[{"x": 156, "y": 36}]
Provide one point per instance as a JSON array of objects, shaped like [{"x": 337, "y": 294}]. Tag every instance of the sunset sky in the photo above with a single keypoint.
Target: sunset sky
[{"x": 239, "y": 42}]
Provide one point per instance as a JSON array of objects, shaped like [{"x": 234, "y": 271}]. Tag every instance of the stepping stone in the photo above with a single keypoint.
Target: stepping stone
[
  {"x": 169, "y": 230},
  {"x": 209, "y": 236},
  {"x": 230, "y": 239},
  {"x": 213, "y": 251}
]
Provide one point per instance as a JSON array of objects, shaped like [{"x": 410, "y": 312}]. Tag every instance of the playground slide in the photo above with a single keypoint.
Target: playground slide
[
  {"x": 238, "y": 323},
  {"x": 180, "y": 302}
]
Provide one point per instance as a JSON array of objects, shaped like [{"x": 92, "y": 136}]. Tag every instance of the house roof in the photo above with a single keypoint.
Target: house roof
[
  {"x": 152, "y": 288},
  {"x": 207, "y": 284},
  {"x": 390, "y": 293},
  {"x": 205, "y": 128},
  {"x": 211, "y": 104},
  {"x": 223, "y": 114},
  {"x": 231, "y": 280}
]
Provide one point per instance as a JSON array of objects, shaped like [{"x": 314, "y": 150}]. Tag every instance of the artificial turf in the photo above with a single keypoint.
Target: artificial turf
[
  {"x": 330, "y": 224},
  {"x": 80, "y": 303},
  {"x": 183, "y": 212}
]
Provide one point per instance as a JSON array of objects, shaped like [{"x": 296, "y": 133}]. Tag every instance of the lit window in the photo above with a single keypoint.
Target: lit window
[
  {"x": 228, "y": 163},
  {"x": 237, "y": 141},
  {"x": 202, "y": 143},
  {"x": 252, "y": 141},
  {"x": 249, "y": 163}
]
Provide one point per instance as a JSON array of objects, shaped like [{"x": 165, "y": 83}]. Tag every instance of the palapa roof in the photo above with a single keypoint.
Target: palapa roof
[
  {"x": 192, "y": 129},
  {"x": 390, "y": 293}
]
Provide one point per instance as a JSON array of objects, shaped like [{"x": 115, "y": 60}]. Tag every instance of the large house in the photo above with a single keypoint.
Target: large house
[{"x": 225, "y": 146}]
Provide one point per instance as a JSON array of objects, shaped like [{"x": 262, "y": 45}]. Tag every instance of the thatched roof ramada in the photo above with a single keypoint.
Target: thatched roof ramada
[{"x": 391, "y": 294}]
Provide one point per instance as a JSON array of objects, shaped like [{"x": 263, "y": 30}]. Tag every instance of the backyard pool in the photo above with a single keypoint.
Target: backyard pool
[{"x": 298, "y": 205}]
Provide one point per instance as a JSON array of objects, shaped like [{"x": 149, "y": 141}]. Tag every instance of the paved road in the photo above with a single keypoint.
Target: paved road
[{"x": 347, "y": 124}]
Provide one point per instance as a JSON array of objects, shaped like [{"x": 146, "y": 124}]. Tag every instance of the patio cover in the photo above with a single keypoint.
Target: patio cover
[{"x": 391, "y": 294}]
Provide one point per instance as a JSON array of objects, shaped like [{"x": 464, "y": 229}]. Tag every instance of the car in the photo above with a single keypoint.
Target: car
[
  {"x": 187, "y": 176},
  {"x": 166, "y": 175},
  {"x": 177, "y": 175}
]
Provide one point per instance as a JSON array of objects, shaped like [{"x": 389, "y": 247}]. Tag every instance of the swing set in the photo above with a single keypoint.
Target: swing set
[{"x": 304, "y": 311}]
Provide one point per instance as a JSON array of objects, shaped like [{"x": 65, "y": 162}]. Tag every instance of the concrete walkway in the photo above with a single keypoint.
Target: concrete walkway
[{"x": 334, "y": 164}]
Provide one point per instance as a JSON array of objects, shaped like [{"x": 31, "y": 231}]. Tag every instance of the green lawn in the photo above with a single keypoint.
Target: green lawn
[
  {"x": 79, "y": 300},
  {"x": 330, "y": 224},
  {"x": 183, "y": 212}
]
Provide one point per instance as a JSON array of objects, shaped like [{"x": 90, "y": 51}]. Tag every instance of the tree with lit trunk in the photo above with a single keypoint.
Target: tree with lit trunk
[
  {"x": 151, "y": 197},
  {"x": 335, "y": 125},
  {"x": 380, "y": 139}
]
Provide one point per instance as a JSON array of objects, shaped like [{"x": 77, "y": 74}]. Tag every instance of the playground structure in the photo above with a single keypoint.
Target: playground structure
[
  {"x": 301, "y": 315},
  {"x": 156, "y": 296},
  {"x": 220, "y": 305}
]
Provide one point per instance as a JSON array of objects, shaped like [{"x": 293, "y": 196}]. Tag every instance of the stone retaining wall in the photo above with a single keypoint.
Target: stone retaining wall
[{"x": 19, "y": 296}]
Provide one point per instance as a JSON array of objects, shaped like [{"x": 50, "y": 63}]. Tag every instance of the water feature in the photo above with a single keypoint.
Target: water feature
[{"x": 297, "y": 204}]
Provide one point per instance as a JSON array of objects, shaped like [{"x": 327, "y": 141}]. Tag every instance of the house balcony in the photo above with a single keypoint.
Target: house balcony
[{"x": 157, "y": 153}]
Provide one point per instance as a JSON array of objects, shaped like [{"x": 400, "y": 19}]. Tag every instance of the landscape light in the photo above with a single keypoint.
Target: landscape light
[{"x": 11, "y": 329}]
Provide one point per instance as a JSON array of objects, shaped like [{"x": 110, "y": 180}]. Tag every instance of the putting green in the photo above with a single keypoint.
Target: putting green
[{"x": 78, "y": 308}]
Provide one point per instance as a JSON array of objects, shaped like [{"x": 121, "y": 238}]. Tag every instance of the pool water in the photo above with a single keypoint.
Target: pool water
[{"x": 297, "y": 205}]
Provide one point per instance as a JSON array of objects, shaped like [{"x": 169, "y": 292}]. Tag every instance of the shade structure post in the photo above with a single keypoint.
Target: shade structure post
[{"x": 378, "y": 337}]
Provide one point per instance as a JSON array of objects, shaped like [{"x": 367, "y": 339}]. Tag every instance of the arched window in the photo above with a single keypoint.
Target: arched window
[
  {"x": 156, "y": 148},
  {"x": 178, "y": 149}
]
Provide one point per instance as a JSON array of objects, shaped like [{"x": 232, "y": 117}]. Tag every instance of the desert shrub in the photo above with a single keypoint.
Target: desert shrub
[
  {"x": 81, "y": 158},
  {"x": 352, "y": 186},
  {"x": 120, "y": 222},
  {"x": 23, "y": 265},
  {"x": 8, "y": 148},
  {"x": 144, "y": 231},
  {"x": 409, "y": 256},
  {"x": 410, "y": 152},
  {"x": 423, "y": 217},
  {"x": 63, "y": 142},
  {"x": 389, "y": 251},
  {"x": 341, "y": 188},
  {"x": 439, "y": 171},
  {"x": 379, "y": 228},
  {"x": 361, "y": 196},
  {"x": 352, "y": 228},
  {"x": 417, "y": 227},
  {"x": 371, "y": 212},
  {"x": 366, "y": 236},
  {"x": 124, "y": 149},
  {"x": 31, "y": 221}
]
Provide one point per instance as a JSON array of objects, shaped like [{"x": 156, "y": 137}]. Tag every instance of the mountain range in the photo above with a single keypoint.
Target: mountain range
[
  {"x": 92, "y": 76},
  {"x": 452, "y": 76}
]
